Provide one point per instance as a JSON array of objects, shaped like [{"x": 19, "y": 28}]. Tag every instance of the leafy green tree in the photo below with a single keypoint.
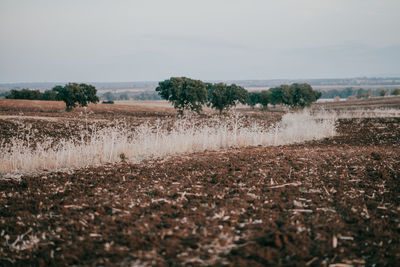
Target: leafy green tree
[
  {"x": 74, "y": 94},
  {"x": 302, "y": 95},
  {"x": 396, "y": 92},
  {"x": 382, "y": 92},
  {"x": 253, "y": 99},
  {"x": 224, "y": 96},
  {"x": 276, "y": 95},
  {"x": 264, "y": 99},
  {"x": 49, "y": 95},
  {"x": 295, "y": 95},
  {"x": 184, "y": 93},
  {"x": 24, "y": 94}
]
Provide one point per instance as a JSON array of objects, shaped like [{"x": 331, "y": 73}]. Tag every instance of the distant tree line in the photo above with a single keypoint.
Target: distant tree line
[
  {"x": 297, "y": 95},
  {"x": 188, "y": 94},
  {"x": 130, "y": 96},
  {"x": 73, "y": 94},
  {"x": 31, "y": 94}
]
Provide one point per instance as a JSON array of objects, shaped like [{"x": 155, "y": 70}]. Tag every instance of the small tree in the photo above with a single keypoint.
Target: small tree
[
  {"x": 183, "y": 93},
  {"x": 295, "y": 95},
  {"x": 253, "y": 99},
  {"x": 382, "y": 92},
  {"x": 74, "y": 94},
  {"x": 276, "y": 95},
  {"x": 303, "y": 95},
  {"x": 396, "y": 92},
  {"x": 264, "y": 99},
  {"x": 222, "y": 96}
]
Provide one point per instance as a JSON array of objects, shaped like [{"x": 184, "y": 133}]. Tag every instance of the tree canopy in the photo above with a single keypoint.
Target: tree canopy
[
  {"x": 74, "y": 94},
  {"x": 295, "y": 95},
  {"x": 31, "y": 94},
  {"x": 190, "y": 94},
  {"x": 253, "y": 99},
  {"x": 396, "y": 92},
  {"x": 184, "y": 93},
  {"x": 222, "y": 96}
]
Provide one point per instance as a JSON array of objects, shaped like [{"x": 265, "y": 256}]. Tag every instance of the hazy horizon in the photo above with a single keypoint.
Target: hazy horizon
[{"x": 132, "y": 41}]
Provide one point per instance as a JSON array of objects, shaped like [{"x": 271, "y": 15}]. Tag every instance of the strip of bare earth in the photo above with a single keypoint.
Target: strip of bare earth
[{"x": 334, "y": 201}]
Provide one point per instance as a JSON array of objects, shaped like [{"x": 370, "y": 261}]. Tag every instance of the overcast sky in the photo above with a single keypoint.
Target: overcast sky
[{"x": 142, "y": 40}]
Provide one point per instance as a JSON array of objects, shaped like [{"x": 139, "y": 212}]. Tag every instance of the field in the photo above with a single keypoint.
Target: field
[{"x": 254, "y": 187}]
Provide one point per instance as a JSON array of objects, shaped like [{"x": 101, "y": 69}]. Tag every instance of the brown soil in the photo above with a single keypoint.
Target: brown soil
[
  {"x": 372, "y": 103},
  {"x": 320, "y": 203}
]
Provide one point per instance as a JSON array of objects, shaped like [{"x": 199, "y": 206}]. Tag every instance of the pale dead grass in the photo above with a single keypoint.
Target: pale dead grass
[
  {"x": 133, "y": 106},
  {"x": 48, "y": 118},
  {"x": 148, "y": 141}
]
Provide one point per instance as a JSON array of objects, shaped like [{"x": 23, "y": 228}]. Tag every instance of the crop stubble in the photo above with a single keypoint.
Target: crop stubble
[{"x": 323, "y": 202}]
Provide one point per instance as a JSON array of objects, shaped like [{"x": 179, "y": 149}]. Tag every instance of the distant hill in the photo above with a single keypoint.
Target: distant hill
[{"x": 150, "y": 85}]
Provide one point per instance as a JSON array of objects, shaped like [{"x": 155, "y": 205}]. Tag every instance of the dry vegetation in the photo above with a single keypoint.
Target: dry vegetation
[{"x": 329, "y": 201}]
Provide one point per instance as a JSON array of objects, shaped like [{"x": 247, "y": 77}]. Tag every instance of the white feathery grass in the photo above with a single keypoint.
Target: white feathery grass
[{"x": 148, "y": 141}]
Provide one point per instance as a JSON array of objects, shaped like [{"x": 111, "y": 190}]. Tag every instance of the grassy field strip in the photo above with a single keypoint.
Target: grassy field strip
[
  {"x": 113, "y": 144},
  {"x": 148, "y": 141}
]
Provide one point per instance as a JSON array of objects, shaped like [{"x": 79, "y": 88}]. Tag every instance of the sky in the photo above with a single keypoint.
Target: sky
[{"x": 152, "y": 40}]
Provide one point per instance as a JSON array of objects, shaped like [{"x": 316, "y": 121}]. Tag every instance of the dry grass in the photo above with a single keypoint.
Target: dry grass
[
  {"x": 18, "y": 105},
  {"x": 145, "y": 103},
  {"x": 159, "y": 140},
  {"x": 31, "y": 105}
]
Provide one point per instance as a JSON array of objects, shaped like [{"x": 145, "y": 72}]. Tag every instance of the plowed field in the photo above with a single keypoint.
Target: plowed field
[{"x": 327, "y": 202}]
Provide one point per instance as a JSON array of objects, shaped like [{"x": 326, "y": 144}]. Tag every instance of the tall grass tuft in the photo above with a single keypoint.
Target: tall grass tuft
[{"x": 147, "y": 141}]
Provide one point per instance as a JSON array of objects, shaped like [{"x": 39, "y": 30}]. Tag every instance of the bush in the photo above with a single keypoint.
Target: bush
[{"x": 396, "y": 92}]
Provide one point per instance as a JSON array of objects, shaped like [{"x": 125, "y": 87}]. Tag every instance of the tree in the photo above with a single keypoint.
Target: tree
[
  {"x": 24, "y": 94},
  {"x": 253, "y": 99},
  {"x": 382, "y": 92},
  {"x": 276, "y": 95},
  {"x": 303, "y": 95},
  {"x": 295, "y": 95},
  {"x": 49, "y": 95},
  {"x": 222, "y": 96},
  {"x": 396, "y": 92},
  {"x": 183, "y": 93},
  {"x": 264, "y": 99},
  {"x": 74, "y": 94}
]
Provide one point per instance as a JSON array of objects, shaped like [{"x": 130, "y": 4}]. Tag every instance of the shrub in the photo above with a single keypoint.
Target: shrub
[{"x": 396, "y": 92}]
